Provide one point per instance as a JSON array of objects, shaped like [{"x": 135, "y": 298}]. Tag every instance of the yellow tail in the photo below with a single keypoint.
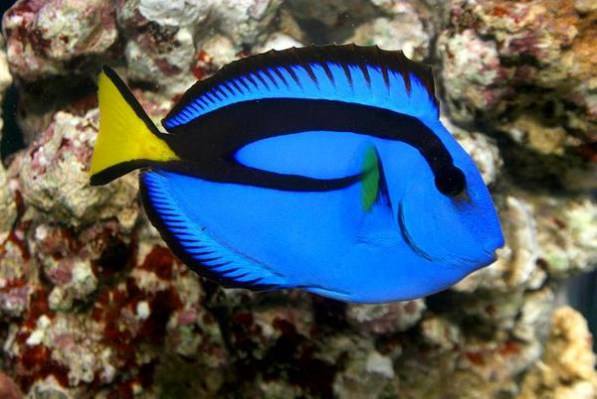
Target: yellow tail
[{"x": 127, "y": 138}]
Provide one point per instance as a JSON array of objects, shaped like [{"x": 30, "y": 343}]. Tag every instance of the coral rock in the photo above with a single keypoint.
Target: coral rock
[
  {"x": 567, "y": 369},
  {"x": 568, "y": 235},
  {"x": 159, "y": 41},
  {"x": 491, "y": 48},
  {"x": 5, "y": 76},
  {"x": 8, "y": 211},
  {"x": 54, "y": 179},
  {"x": 15, "y": 271},
  {"x": 57, "y": 37},
  {"x": 404, "y": 31},
  {"x": 386, "y": 318}
]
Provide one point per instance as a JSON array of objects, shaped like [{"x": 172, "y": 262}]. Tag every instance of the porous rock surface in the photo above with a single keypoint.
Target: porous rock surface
[{"x": 94, "y": 305}]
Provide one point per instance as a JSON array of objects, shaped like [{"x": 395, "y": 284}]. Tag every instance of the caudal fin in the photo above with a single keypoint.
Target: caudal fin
[{"x": 127, "y": 138}]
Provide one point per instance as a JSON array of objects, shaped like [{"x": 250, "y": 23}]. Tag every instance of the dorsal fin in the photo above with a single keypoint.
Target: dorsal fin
[{"x": 366, "y": 75}]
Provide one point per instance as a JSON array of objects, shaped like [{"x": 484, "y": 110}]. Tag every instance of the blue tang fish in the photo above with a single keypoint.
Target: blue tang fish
[{"x": 321, "y": 168}]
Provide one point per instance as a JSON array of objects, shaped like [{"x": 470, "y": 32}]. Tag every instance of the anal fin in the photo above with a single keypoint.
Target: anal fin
[{"x": 193, "y": 244}]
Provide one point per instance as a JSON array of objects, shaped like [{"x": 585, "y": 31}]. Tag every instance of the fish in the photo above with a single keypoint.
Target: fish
[{"x": 322, "y": 168}]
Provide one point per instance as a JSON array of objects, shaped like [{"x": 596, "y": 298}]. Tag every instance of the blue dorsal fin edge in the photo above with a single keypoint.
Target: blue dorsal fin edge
[
  {"x": 193, "y": 245},
  {"x": 306, "y": 71}
]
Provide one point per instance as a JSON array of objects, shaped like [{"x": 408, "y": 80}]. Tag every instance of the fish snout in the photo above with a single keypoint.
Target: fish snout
[{"x": 491, "y": 247}]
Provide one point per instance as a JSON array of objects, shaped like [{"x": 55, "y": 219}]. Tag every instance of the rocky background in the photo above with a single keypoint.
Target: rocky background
[{"x": 92, "y": 304}]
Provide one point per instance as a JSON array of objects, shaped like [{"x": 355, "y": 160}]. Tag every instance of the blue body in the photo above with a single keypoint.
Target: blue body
[{"x": 411, "y": 242}]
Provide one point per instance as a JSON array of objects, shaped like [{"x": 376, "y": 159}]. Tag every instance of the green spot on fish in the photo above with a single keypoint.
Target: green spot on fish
[{"x": 370, "y": 178}]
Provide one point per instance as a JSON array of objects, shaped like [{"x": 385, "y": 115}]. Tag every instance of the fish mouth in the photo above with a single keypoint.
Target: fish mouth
[
  {"x": 491, "y": 247},
  {"x": 486, "y": 256}
]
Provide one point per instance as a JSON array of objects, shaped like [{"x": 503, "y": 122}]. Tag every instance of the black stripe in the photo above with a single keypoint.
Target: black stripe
[
  {"x": 292, "y": 74},
  {"x": 261, "y": 79},
  {"x": 268, "y": 73},
  {"x": 386, "y": 76},
  {"x": 207, "y": 145},
  {"x": 208, "y": 98},
  {"x": 365, "y": 71},
  {"x": 229, "y": 89},
  {"x": 105, "y": 176},
  {"x": 280, "y": 75},
  {"x": 406, "y": 236},
  {"x": 249, "y": 76},
  {"x": 346, "y": 69},
  {"x": 242, "y": 82},
  {"x": 236, "y": 86},
  {"x": 328, "y": 72},
  {"x": 214, "y": 93},
  {"x": 310, "y": 72},
  {"x": 198, "y": 105},
  {"x": 220, "y": 90}
]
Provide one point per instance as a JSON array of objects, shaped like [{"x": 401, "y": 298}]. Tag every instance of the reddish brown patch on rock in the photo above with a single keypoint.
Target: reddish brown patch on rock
[
  {"x": 160, "y": 261},
  {"x": 475, "y": 357},
  {"x": 510, "y": 348},
  {"x": 499, "y": 11},
  {"x": 587, "y": 151},
  {"x": 83, "y": 104},
  {"x": 8, "y": 388},
  {"x": 410, "y": 307},
  {"x": 203, "y": 66},
  {"x": 162, "y": 306},
  {"x": 35, "y": 363},
  {"x": 122, "y": 391},
  {"x": 38, "y": 306}
]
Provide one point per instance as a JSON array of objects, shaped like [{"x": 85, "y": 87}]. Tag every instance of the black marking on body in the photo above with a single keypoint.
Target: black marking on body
[
  {"x": 269, "y": 75},
  {"x": 110, "y": 173},
  {"x": 280, "y": 75},
  {"x": 236, "y": 86},
  {"x": 344, "y": 56},
  {"x": 261, "y": 79},
  {"x": 310, "y": 72},
  {"x": 386, "y": 76},
  {"x": 406, "y": 236},
  {"x": 293, "y": 74},
  {"x": 365, "y": 72},
  {"x": 383, "y": 195},
  {"x": 207, "y": 145},
  {"x": 328, "y": 72},
  {"x": 348, "y": 74},
  {"x": 242, "y": 82},
  {"x": 230, "y": 89},
  {"x": 249, "y": 77},
  {"x": 214, "y": 93},
  {"x": 220, "y": 90}
]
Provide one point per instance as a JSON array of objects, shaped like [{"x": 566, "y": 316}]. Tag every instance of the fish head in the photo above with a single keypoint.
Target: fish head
[{"x": 449, "y": 218}]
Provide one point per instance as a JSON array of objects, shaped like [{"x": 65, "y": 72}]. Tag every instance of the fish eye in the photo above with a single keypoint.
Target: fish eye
[{"x": 450, "y": 182}]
